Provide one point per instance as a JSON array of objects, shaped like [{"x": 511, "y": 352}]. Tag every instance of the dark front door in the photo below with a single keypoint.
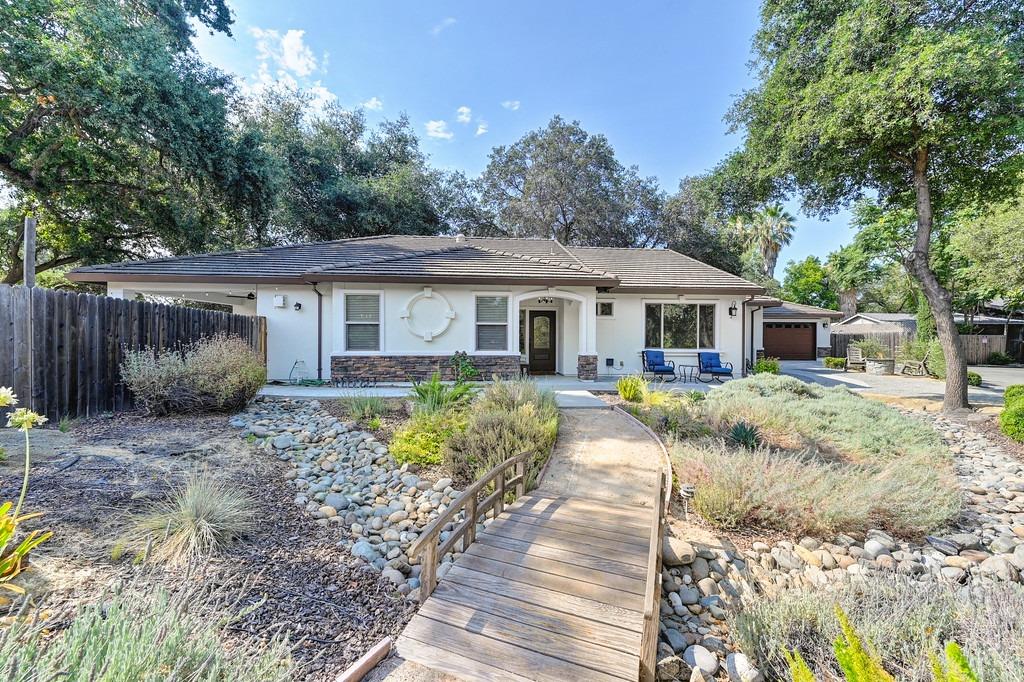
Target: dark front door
[{"x": 542, "y": 342}]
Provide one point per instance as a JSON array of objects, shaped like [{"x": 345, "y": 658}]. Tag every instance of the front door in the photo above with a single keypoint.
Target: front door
[{"x": 542, "y": 342}]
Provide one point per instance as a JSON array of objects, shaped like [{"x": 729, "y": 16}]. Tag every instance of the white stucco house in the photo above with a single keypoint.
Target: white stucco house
[{"x": 397, "y": 307}]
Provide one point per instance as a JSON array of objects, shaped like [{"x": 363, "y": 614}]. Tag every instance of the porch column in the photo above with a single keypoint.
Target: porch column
[{"x": 586, "y": 362}]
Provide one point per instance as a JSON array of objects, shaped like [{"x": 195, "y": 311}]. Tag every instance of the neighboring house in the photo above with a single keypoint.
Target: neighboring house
[
  {"x": 906, "y": 323},
  {"x": 793, "y": 331},
  {"x": 398, "y": 307}
]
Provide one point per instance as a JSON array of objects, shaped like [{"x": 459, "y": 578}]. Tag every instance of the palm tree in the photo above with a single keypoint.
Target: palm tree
[{"x": 770, "y": 229}]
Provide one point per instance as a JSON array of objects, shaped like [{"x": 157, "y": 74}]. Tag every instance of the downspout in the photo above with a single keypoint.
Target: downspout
[{"x": 319, "y": 333}]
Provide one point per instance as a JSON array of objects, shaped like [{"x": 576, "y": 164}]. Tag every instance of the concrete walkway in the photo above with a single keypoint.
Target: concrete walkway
[
  {"x": 564, "y": 397},
  {"x": 604, "y": 455},
  {"x": 900, "y": 386}
]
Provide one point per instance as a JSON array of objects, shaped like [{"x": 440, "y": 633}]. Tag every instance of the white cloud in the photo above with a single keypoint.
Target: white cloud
[
  {"x": 464, "y": 114},
  {"x": 440, "y": 26},
  {"x": 288, "y": 52},
  {"x": 439, "y": 129},
  {"x": 373, "y": 104},
  {"x": 481, "y": 128},
  {"x": 511, "y": 104}
]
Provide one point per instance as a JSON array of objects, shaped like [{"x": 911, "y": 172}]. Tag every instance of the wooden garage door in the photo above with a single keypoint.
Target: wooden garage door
[{"x": 789, "y": 340}]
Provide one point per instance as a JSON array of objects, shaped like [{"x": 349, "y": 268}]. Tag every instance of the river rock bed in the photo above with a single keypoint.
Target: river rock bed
[
  {"x": 701, "y": 583},
  {"x": 345, "y": 477}
]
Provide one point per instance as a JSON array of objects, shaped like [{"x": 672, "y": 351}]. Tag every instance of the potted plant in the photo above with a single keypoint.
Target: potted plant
[{"x": 877, "y": 357}]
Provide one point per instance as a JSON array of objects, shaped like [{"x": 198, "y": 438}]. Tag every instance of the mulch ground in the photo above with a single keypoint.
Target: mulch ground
[{"x": 331, "y": 607}]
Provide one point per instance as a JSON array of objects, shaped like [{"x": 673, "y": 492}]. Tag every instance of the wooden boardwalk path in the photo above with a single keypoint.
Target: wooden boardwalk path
[{"x": 557, "y": 587}]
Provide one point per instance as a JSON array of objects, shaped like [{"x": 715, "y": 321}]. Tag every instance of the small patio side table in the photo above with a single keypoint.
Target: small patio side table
[{"x": 688, "y": 373}]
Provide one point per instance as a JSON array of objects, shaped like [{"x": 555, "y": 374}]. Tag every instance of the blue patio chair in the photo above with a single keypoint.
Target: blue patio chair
[
  {"x": 656, "y": 364},
  {"x": 711, "y": 363}
]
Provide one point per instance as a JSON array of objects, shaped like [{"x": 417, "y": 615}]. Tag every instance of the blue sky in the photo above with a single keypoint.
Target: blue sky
[{"x": 655, "y": 77}]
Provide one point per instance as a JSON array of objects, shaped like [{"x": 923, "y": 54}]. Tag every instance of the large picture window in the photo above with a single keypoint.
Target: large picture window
[
  {"x": 679, "y": 325},
  {"x": 492, "y": 323},
  {"x": 362, "y": 322}
]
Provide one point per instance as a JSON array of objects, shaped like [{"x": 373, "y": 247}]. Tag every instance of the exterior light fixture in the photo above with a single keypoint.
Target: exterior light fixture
[
  {"x": 733, "y": 309},
  {"x": 297, "y": 306}
]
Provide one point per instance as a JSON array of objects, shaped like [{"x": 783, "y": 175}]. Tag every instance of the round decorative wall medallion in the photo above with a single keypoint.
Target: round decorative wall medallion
[{"x": 427, "y": 314}]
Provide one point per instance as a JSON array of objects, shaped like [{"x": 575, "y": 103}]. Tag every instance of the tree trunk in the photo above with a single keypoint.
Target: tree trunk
[
  {"x": 939, "y": 299},
  {"x": 848, "y": 302}
]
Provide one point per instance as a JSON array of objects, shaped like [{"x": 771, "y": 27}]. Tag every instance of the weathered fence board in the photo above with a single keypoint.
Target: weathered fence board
[
  {"x": 977, "y": 347},
  {"x": 63, "y": 351}
]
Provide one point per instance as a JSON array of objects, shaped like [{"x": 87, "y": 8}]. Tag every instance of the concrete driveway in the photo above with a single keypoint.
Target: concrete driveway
[{"x": 995, "y": 380}]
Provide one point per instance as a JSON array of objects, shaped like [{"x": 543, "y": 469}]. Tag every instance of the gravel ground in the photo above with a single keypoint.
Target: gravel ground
[{"x": 332, "y": 607}]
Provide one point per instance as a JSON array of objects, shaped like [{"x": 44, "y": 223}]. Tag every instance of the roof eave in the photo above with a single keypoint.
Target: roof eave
[
  {"x": 103, "y": 277},
  {"x": 453, "y": 279},
  {"x": 682, "y": 290}
]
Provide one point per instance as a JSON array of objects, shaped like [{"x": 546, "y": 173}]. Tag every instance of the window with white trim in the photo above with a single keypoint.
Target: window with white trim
[
  {"x": 362, "y": 322},
  {"x": 679, "y": 325},
  {"x": 606, "y": 308},
  {"x": 492, "y": 322}
]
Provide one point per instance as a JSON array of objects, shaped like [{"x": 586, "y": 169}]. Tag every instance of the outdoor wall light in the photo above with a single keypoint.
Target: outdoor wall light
[
  {"x": 297, "y": 306},
  {"x": 733, "y": 309},
  {"x": 824, "y": 325}
]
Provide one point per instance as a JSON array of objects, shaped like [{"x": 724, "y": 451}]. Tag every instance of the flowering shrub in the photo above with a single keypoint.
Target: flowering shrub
[
  {"x": 220, "y": 374},
  {"x": 12, "y": 556}
]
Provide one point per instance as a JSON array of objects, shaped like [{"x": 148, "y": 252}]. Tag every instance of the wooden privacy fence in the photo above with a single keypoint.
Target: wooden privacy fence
[
  {"x": 62, "y": 351},
  {"x": 977, "y": 347},
  {"x": 892, "y": 340}
]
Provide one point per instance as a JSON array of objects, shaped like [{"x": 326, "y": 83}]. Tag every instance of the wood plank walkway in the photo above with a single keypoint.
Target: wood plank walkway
[{"x": 555, "y": 588}]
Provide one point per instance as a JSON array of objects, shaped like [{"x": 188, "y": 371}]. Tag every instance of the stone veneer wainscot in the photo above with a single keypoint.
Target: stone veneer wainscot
[{"x": 418, "y": 367}]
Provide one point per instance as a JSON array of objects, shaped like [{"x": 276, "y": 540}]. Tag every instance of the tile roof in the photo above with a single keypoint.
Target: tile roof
[
  {"x": 789, "y": 309},
  {"x": 402, "y": 258}
]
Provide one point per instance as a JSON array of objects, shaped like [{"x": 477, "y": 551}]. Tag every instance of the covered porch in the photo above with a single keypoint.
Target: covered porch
[{"x": 556, "y": 332}]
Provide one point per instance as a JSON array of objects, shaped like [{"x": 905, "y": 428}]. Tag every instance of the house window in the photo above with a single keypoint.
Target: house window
[
  {"x": 605, "y": 308},
  {"x": 679, "y": 325},
  {"x": 362, "y": 322},
  {"x": 492, "y": 322}
]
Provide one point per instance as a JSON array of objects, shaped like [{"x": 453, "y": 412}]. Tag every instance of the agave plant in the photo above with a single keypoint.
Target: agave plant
[{"x": 745, "y": 435}]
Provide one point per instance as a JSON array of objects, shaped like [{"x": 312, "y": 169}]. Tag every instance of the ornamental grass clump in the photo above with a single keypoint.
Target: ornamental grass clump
[
  {"x": 433, "y": 396},
  {"x": 632, "y": 388},
  {"x": 199, "y": 518},
  {"x": 141, "y": 636},
  {"x": 828, "y": 461},
  {"x": 216, "y": 374}
]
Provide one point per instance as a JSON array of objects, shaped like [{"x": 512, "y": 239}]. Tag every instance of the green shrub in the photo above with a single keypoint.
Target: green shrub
[
  {"x": 509, "y": 418},
  {"x": 139, "y": 636},
  {"x": 1011, "y": 420},
  {"x": 200, "y": 518},
  {"x": 973, "y": 379},
  {"x": 999, "y": 358},
  {"x": 220, "y": 374},
  {"x": 695, "y": 396},
  {"x": 1013, "y": 393},
  {"x": 632, "y": 388},
  {"x": 745, "y": 435},
  {"x": 906, "y": 623},
  {"x": 835, "y": 363},
  {"x": 462, "y": 367},
  {"x": 871, "y": 348},
  {"x": 375, "y": 424},
  {"x": 434, "y": 395},
  {"x": 422, "y": 438},
  {"x": 363, "y": 407},
  {"x": 767, "y": 366}
]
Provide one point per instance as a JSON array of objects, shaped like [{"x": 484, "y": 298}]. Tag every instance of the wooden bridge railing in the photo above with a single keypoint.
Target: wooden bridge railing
[
  {"x": 427, "y": 543},
  {"x": 652, "y": 603}
]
